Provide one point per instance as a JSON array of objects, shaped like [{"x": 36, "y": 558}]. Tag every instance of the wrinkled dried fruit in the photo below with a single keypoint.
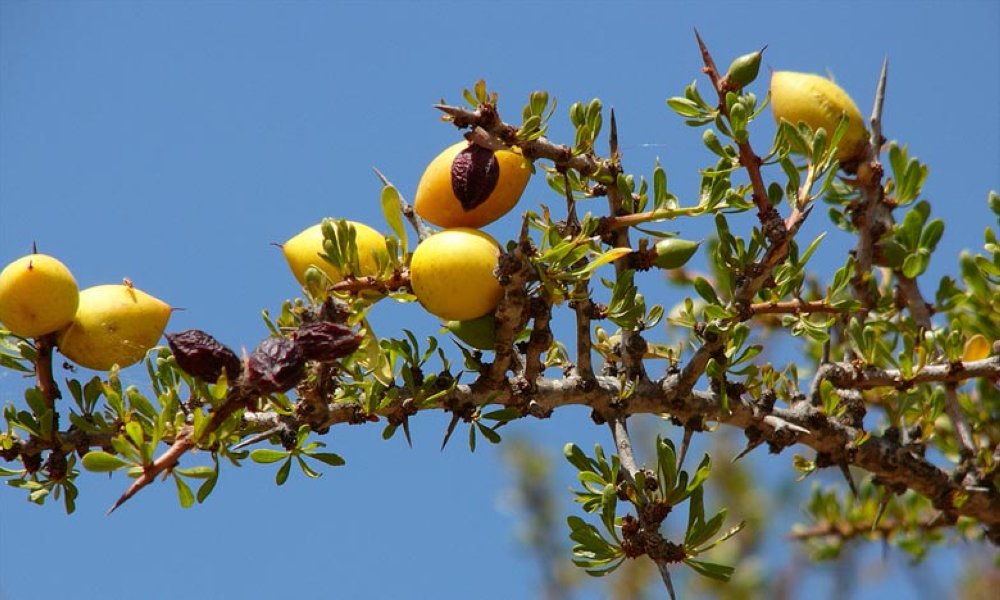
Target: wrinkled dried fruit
[
  {"x": 474, "y": 175},
  {"x": 275, "y": 365},
  {"x": 325, "y": 341},
  {"x": 38, "y": 295},
  {"x": 470, "y": 186},
  {"x": 202, "y": 356}
]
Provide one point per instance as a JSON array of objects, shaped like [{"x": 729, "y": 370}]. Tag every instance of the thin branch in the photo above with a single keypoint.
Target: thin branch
[
  {"x": 539, "y": 342},
  {"x": 850, "y": 376},
  {"x": 794, "y": 307},
  {"x": 872, "y": 217},
  {"x": 43, "y": 371},
  {"x": 919, "y": 308},
  {"x": 560, "y": 155},
  {"x": 773, "y": 227},
  {"x": 633, "y": 346},
  {"x": 962, "y": 432}
]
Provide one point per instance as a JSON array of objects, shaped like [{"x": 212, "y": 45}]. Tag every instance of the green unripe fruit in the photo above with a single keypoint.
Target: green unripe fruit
[
  {"x": 744, "y": 69},
  {"x": 674, "y": 253},
  {"x": 479, "y": 333}
]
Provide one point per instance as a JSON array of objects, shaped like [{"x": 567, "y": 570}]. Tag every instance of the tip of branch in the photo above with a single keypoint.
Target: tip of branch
[
  {"x": 850, "y": 480},
  {"x": 451, "y": 429},
  {"x": 613, "y": 136},
  {"x": 381, "y": 177},
  {"x": 406, "y": 432}
]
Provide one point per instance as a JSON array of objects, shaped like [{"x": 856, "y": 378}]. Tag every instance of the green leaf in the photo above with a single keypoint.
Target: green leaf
[
  {"x": 206, "y": 488},
  {"x": 183, "y": 492},
  {"x": 684, "y": 107},
  {"x": 705, "y": 290},
  {"x": 282, "y": 475},
  {"x": 102, "y": 462},
  {"x": 577, "y": 458},
  {"x": 393, "y": 213},
  {"x": 267, "y": 455},
  {"x": 710, "y": 570},
  {"x": 329, "y": 458}
]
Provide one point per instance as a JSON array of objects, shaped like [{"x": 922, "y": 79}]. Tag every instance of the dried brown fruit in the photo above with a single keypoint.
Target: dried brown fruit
[
  {"x": 275, "y": 365},
  {"x": 474, "y": 174},
  {"x": 202, "y": 356},
  {"x": 325, "y": 341}
]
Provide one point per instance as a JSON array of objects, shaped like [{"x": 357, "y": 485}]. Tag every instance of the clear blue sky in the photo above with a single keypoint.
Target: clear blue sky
[{"x": 171, "y": 142}]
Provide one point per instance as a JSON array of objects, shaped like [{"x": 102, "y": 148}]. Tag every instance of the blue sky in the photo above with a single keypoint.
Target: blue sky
[{"x": 172, "y": 142}]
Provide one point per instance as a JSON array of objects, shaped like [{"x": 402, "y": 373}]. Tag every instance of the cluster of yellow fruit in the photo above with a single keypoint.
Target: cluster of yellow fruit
[
  {"x": 96, "y": 328},
  {"x": 451, "y": 272}
]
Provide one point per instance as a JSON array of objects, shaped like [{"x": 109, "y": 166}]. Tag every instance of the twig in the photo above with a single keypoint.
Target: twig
[
  {"x": 794, "y": 307},
  {"x": 511, "y": 314},
  {"x": 43, "y": 372},
  {"x": 580, "y": 302},
  {"x": 768, "y": 215},
  {"x": 962, "y": 432},
  {"x": 872, "y": 218},
  {"x": 633, "y": 346},
  {"x": 562, "y": 156},
  {"x": 539, "y": 342},
  {"x": 850, "y": 376}
]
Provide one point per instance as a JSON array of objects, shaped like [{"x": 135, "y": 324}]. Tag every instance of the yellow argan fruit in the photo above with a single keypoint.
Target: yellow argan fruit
[
  {"x": 303, "y": 251},
  {"x": 451, "y": 273},
  {"x": 38, "y": 296},
  {"x": 819, "y": 102},
  {"x": 471, "y": 186},
  {"x": 114, "y": 324}
]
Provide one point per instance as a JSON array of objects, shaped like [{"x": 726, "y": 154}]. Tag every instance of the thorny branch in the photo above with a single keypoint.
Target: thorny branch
[{"x": 873, "y": 219}]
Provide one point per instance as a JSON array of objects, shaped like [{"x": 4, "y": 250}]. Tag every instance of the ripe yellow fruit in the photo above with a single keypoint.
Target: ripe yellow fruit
[
  {"x": 114, "y": 324},
  {"x": 303, "y": 251},
  {"x": 451, "y": 274},
  {"x": 819, "y": 102},
  {"x": 38, "y": 296},
  {"x": 470, "y": 186}
]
